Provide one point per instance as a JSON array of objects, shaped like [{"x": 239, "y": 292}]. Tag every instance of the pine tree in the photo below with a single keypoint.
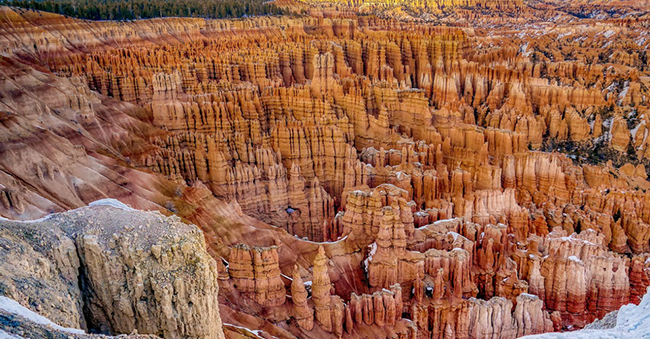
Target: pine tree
[{"x": 136, "y": 9}]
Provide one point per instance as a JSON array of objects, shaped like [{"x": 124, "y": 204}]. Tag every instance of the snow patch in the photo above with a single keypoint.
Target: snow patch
[
  {"x": 112, "y": 203},
  {"x": 636, "y": 129},
  {"x": 574, "y": 258},
  {"x": 623, "y": 93},
  {"x": 608, "y": 34},
  {"x": 612, "y": 86},
  {"x": 256, "y": 333},
  {"x": 373, "y": 250},
  {"x": 5, "y": 335},
  {"x": 11, "y": 306},
  {"x": 29, "y": 221}
]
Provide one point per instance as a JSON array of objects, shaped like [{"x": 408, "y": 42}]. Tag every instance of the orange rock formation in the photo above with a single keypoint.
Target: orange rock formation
[{"x": 355, "y": 175}]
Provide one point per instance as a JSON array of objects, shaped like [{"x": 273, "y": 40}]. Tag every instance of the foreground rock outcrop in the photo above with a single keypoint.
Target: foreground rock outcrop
[{"x": 110, "y": 269}]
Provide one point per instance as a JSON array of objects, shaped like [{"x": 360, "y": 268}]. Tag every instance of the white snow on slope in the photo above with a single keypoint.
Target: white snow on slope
[
  {"x": 256, "y": 333},
  {"x": 609, "y": 33},
  {"x": 5, "y": 335},
  {"x": 111, "y": 203},
  {"x": 11, "y": 306},
  {"x": 632, "y": 322},
  {"x": 102, "y": 202}
]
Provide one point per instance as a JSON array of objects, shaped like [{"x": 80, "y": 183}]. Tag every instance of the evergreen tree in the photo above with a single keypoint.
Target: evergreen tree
[{"x": 142, "y": 9}]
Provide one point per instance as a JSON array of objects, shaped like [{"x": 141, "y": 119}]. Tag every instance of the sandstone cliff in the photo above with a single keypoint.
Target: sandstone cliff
[{"x": 113, "y": 270}]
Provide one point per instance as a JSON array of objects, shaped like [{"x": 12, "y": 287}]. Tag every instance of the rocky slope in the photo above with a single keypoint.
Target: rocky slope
[
  {"x": 354, "y": 175},
  {"x": 109, "y": 269}
]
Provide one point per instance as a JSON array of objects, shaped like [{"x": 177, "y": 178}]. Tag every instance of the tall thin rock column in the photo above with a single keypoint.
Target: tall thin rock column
[
  {"x": 301, "y": 311},
  {"x": 320, "y": 290}
]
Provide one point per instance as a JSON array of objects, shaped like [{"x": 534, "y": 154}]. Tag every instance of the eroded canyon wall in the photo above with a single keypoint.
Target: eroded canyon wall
[{"x": 353, "y": 175}]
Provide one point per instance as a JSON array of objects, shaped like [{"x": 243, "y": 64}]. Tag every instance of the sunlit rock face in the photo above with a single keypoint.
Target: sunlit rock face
[{"x": 407, "y": 169}]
